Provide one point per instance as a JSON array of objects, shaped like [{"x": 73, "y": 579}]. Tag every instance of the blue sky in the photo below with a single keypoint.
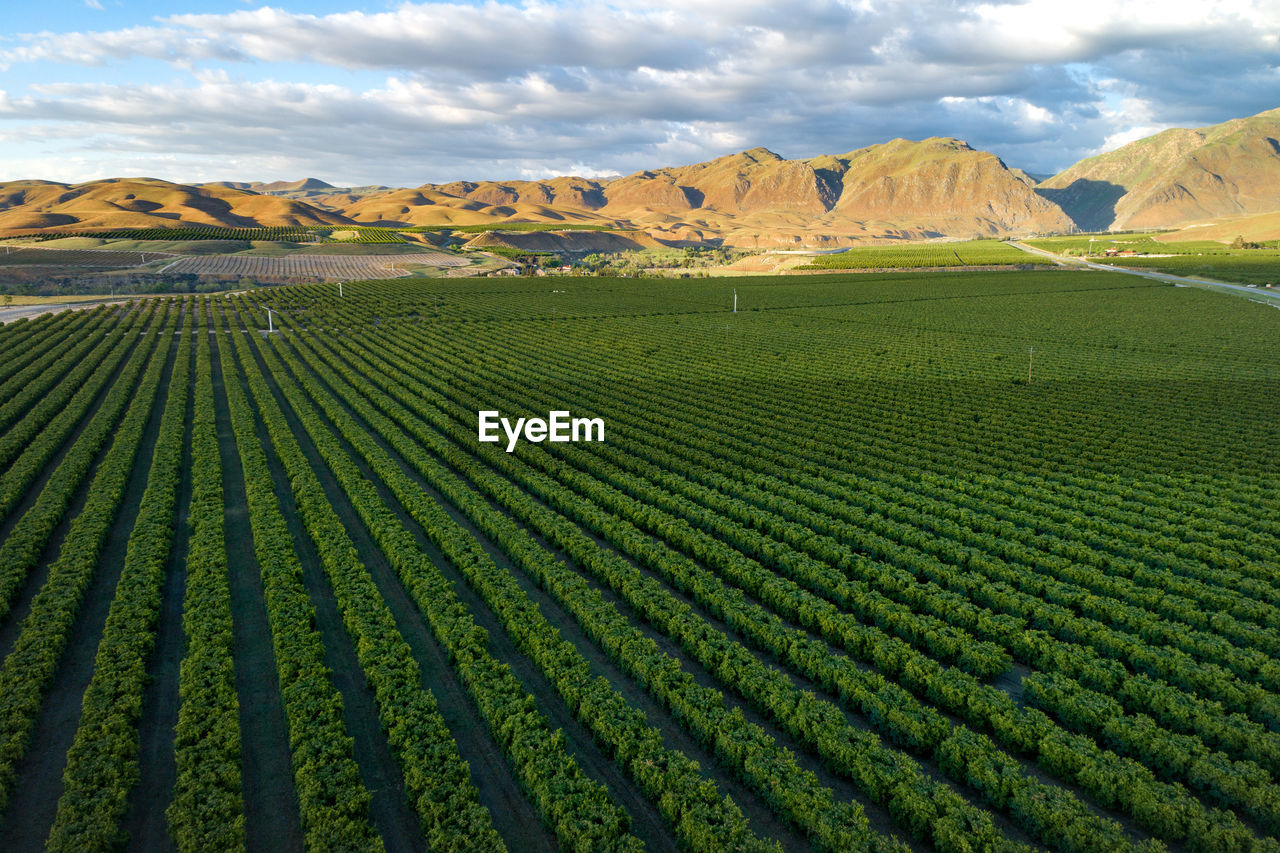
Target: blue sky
[{"x": 409, "y": 93}]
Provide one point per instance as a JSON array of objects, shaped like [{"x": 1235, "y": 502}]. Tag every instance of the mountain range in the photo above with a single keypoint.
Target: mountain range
[{"x": 1218, "y": 178}]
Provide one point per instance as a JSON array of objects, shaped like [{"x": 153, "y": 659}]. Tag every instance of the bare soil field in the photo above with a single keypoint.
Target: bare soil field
[
  {"x": 345, "y": 267},
  {"x": 39, "y": 256}
]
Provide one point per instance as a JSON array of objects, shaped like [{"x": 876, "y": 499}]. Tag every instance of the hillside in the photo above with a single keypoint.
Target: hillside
[
  {"x": 146, "y": 203},
  {"x": 1176, "y": 178},
  {"x": 934, "y": 188},
  {"x": 938, "y": 187}
]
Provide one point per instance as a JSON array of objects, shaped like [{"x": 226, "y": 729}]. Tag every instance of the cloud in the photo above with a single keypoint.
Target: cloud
[{"x": 501, "y": 90}]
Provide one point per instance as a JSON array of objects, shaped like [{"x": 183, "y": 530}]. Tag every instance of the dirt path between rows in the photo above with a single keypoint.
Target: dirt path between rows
[
  {"x": 763, "y": 821},
  {"x": 145, "y": 823},
  {"x": 271, "y": 819},
  {"x": 17, "y": 312},
  {"x": 647, "y": 823},
  {"x": 39, "y": 785},
  {"x": 395, "y": 820}
]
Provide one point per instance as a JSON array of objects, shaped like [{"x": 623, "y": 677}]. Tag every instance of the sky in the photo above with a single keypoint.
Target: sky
[{"x": 403, "y": 94}]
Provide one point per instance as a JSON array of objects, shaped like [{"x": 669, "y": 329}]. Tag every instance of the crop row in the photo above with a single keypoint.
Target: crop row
[
  {"x": 31, "y": 387},
  {"x": 333, "y": 804},
  {"x": 577, "y": 809},
  {"x": 28, "y": 344},
  {"x": 1222, "y": 728},
  {"x": 31, "y": 533},
  {"x": 868, "y": 490},
  {"x": 317, "y": 266},
  {"x": 28, "y": 669},
  {"x": 437, "y": 780},
  {"x": 738, "y": 662},
  {"x": 992, "y": 699},
  {"x": 685, "y": 800},
  {"x": 102, "y": 764},
  {"x": 207, "y": 811},
  {"x": 38, "y": 436}
]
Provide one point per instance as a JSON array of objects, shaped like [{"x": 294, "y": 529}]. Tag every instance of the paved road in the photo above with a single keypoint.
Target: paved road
[
  {"x": 1257, "y": 294},
  {"x": 15, "y": 312}
]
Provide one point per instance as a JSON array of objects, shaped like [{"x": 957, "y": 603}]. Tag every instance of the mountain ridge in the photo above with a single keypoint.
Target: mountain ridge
[
  {"x": 1177, "y": 177},
  {"x": 939, "y": 187}
]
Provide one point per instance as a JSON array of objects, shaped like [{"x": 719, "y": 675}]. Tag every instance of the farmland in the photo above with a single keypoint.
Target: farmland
[
  {"x": 1196, "y": 258},
  {"x": 29, "y": 256},
  {"x": 320, "y": 266},
  {"x": 853, "y": 568},
  {"x": 967, "y": 253}
]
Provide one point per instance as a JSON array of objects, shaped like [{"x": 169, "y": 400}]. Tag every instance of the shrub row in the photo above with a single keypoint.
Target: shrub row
[
  {"x": 30, "y": 667},
  {"x": 437, "y": 780},
  {"x": 207, "y": 812},
  {"x": 578, "y": 809},
  {"x": 102, "y": 764},
  {"x": 333, "y": 803},
  {"x": 27, "y": 539},
  {"x": 1166, "y": 810}
]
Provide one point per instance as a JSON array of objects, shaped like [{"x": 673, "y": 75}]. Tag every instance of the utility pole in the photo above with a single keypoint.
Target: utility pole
[
  {"x": 339, "y": 290},
  {"x": 270, "y": 327},
  {"x": 1031, "y": 355},
  {"x": 735, "y": 300}
]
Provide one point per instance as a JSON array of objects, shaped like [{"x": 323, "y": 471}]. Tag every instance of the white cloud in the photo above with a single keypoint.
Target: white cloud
[{"x": 493, "y": 90}]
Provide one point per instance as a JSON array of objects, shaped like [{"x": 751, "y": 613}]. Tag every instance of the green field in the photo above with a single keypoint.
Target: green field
[
  {"x": 966, "y": 561},
  {"x": 1097, "y": 244},
  {"x": 977, "y": 253},
  {"x": 1250, "y": 266},
  {"x": 1195, "y": 258},
  {"x": 509, "y": 226}
]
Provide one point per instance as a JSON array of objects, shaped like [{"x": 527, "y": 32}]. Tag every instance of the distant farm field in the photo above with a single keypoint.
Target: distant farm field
[
  {"x": 26, "y": 256},
  {"x": 957, "y": 562},
  {"x": 319, "y": 266},
  {"x": 966, "y": 253}
]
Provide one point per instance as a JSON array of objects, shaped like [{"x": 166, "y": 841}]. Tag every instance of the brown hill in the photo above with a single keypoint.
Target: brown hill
[
  {"x": 1176, "y": 177},
  {"x": 1257, "y": 228},
  {"x": 569, "y": 242},
  {"x": 937, "y": 187},
  {"x": 902, "y": 189},
  {"x": 146, "y": 203}
]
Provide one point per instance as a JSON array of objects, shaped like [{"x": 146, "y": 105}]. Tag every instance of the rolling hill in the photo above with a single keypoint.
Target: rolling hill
[{"x": 146, "y": 203}]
